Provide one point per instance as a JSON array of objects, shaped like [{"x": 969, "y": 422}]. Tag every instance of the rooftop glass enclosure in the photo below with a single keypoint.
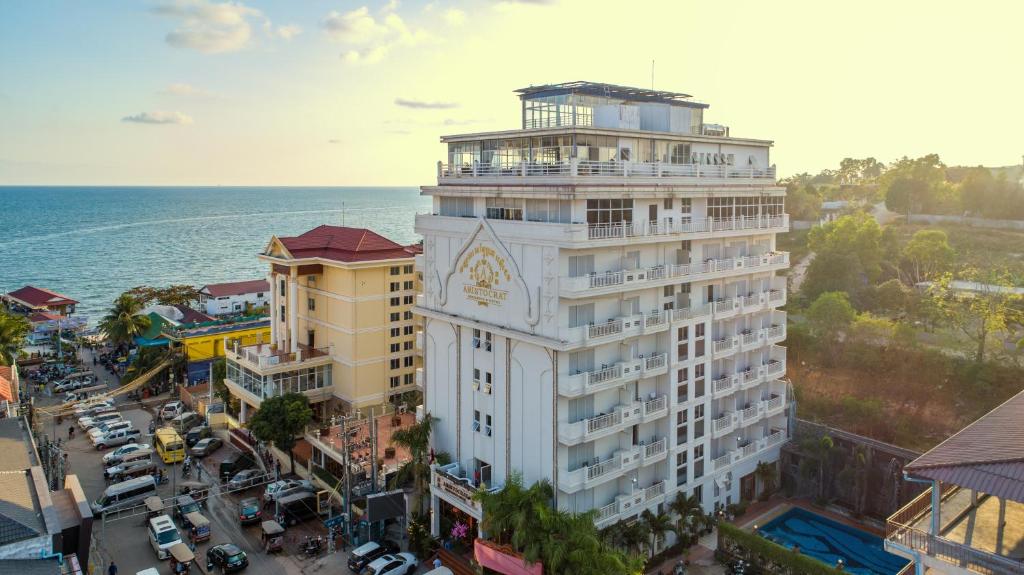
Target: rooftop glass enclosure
[
  {"x": 608, "y": 105},
  {"x": 509, "y": 153}
]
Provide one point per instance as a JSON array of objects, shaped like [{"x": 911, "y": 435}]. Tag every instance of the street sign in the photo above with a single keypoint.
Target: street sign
[{"x": 334, "y": 521}]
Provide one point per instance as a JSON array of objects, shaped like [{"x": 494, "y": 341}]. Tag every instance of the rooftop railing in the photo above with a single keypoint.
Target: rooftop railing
[{"x": 583, "y": 169}]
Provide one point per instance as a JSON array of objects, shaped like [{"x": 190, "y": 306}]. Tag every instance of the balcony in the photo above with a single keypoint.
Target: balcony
[
  {"x": 614, "y": 375},
  {"x": 733, "y": 456},
  {"x": 617, "y": 419},
  {"x": 969, "y": 537},
  {"x": 723, "y": 424},
  {"x": 724, "y": 347},
  {"x": 583, "y": 172},
  {"x": 452, "y": 484},
  {"x": 622, "y": 460},
  {"x": 726, "y": 308},
  {"x": 419, "y": 377},
  {"x": 723, "y": 385},
  {"x": 620, "y": 327},
  {"x": 699, "y": 311},
  {"x": 266, "y": 358},
  {"x": 629, "y": 504},
  {"x": 656, "y": 276}
]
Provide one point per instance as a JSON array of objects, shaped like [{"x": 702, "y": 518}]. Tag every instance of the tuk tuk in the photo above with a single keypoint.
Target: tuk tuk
[
  {"x": 182, "y": 559},
  {"x": 197, "y": 490},
  {"x": 273, "y": 536},
  {"x": 154, "y": 507},
  {"x": 198, "y": 526}
]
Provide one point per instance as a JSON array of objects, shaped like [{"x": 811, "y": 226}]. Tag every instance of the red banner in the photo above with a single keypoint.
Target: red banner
[{"x": 503, "y": 560}]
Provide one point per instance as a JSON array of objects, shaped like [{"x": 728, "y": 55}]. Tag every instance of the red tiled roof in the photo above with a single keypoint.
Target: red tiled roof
[
  {"x": 189, "y": 315},
  {"x": 987, "y": 455},
  {"x": 6, "y": 383},
  {"x": 235, "y": 288},
  {"x": 41, "y": 316},
  {"x": 39, "y": 297},
  {"x": 345, "y": 245}
]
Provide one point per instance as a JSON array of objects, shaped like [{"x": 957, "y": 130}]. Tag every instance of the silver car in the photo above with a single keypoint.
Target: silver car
[{"x": 116, "y": 437}]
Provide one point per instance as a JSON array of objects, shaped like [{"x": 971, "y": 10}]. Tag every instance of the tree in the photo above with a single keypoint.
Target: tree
[
  {"x": 690, "y": 518},
  {"x": 175, "y": 294},
  {"x": 803, "y": 202},
  {"x": 928, "y": 254},
  {"x": 123, "y": 324},
  {"x": 830, "y": 316},
  {"x": 849, "y": 255},
  {"x": 416, "y": 438},
  {"x": 658, "y": 524},
  {"x": 220, "y": 371},
  {"x": 767, "y": 474},
  {"x": 280, "y": 419},
  {"x": 891, "y": 296},
  {"x": 904, "y": 194},
  {"x": 982, "y": 309},
  {"x": 13, "y": 331}
]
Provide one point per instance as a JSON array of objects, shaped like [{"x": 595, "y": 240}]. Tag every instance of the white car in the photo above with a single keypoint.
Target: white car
[
  {"x": 273, "y": 490},
  {"x": 88, "y": 423},
  {"x": 397, "y": 564},
  {"x": 88, "y": 407},
  {"x": 105, "y": 428},
  {"x": 117, "y": 437},
  {"x": 116, "y": 455},
  {"x": 171, "y": 409}
]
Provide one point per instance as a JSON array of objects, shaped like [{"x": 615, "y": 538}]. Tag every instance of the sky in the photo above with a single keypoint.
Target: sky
[{"x": 335, "y": 93}]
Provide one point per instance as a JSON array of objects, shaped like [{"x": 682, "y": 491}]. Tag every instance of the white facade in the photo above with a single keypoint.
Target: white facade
[
  {"x": 624, "y": 344},
  {"x": 232, "y": 304}
]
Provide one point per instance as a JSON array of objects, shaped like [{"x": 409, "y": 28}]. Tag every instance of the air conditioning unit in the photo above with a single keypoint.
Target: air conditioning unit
[{"x": 487, "y": 388}]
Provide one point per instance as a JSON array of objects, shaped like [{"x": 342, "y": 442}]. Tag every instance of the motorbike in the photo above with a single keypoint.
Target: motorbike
[
  {"x": 312, "y": 546},
  {"x": 738, "y": 568}
]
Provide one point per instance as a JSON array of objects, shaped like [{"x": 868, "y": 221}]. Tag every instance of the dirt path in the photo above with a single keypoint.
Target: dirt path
[{"x": 796, "y": 277}]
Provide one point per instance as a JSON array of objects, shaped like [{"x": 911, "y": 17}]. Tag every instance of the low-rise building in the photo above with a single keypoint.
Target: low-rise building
[
  {"x": 10, "y": 389},
  {"x": 30, "y": 299},
  {"x": 971, "y": 519},
  {"x": 234, "y": 297}
]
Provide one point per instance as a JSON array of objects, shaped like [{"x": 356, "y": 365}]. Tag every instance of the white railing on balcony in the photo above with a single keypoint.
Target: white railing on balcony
[
  {"x": 721, "y": 384},
  {"x": 607, "y": 512},
  {"x": 583, "y": 169},
  {"x": 723, "y": 345},
  {"x": 722, "y": 461},
  {"x": 725, "y": 305},
  {"x": 775, "y": 367},
  {"x": 656, "y": 319},
  {"x": 774, "y": 437},
  {"x": 656, "y": 273},
  {"x": 692, "y": 312},
  {"x": 655, "y": 449},
  {"x": 655, "y": 362},
  {"x": 648, "y": 228},
  {"x": 603, "y": 468},
  {"x": 605, "y": 421},
  {"x": 656, "y": 405},
  {"x": 775, "y": 332},
  {"x": 611, "y": 327},
  {"x": 748, "y": 449},
  {"x": 749, "y": 338},
  {"x": 750, "y": 413},
  {"x": 749, "y": 376},
  {"x": 652, "y": 492},
  {"x": 773, "y": 404},
  {"x": 721, "y": 423}
]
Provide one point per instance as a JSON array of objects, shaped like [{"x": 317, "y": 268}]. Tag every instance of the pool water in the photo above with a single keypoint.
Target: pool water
[{"x": 829, "y": 541}]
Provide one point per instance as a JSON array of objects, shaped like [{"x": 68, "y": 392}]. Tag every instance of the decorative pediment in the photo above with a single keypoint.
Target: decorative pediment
[
  {"x": 490, "y": 270},
  {"x": 275, "y": 248}
]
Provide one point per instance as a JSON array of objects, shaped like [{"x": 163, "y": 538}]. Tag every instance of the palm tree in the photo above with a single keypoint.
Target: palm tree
[
  {"x": 657, "y": 526},
  {"x": 416, "y": 438},
  {"x": 13, "y": 331},
  {"x": 123, "y": 322},
  {"x": 691, "y": 514},
  {"x": 765, "y": 473}
]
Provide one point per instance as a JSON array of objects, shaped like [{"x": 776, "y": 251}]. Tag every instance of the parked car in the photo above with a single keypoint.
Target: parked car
[
  {"x": 116, "y": 437},
  {"x": 107, "y": 427},
  {"x": 115, "y": 456},
  {"x": 185, "y": 421},
  {"x": 273, "y": 490},
  {"x": 130, "y": 469},
  {"x": 249, "y": 511},
  {"x": 397, "y": 564},
  {"x": 206, "y": 446},
  {"x": 87, "y": 408},
  {"x": 67, "y": 385},
  {"x": 184, "y": 504},
  {"x": 236, "y": 462},
  {"x": 171, "y": 409},
  {"x": 245, "y": 479},
  {"x": 196, "y": 434},
  {"x": 228, "y": 557},
  {"x": 368, "y": 552},
  {"x": 88, "y": 423}
]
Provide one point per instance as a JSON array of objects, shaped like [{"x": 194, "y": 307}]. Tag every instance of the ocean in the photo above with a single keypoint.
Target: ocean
[{"x": 93, "y": 243}]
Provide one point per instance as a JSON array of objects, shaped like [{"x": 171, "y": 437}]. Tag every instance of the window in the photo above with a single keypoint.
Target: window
[
  {"x": 683, "y": 333},
  {"x": 684, "y": 351},
  {"x": 282, "y": 313},
  {"x": 698, "y": 348},
  {"x": 773, "y": 206},
  {"x": 408, "y": 268},
  {"x": 668, "y": 203},
  {"x": 488, "y": 377},
  {"x": 395, "y": 363},
  {"x": 581, "y": 265},
  {"x": 395, "y": 270},
  {"x": 476, "y": 420},
  {"x": 698, "y": 423},
  {"x": 407, "y": 330},
  {"x": 311, "y": 304},
  {"x": 487, "y": 426},
  {"x": 395, "y": 347},
  {"x": 396, "y": 316},
  {"x": 476, "y": 338},
  {"x": 487, "y": 341},
  {"x": 668, "y": 291},
  {"x": 394, "y": 381},
  {"x": 698, "y": 330},
  {"x": 456, "y": 207},
  {"x": 407, "y": 299},
  {"x": 720, "y": 208},
  {"x": 395, "y": 332},
  {"x": 686, "y": 207},
  {"x": 395, "y": 301},
  {"x": 281, "y": 286},
  {"x": 554, "y": 211},
  {"x": 682, "y": 375},
  {"x": 407, "y": 315},
  {"x": 609, "y": 211},
  {"x": 394, "y": 286},
  {"x": 408, "y": 285},
  {"x": 681, "y": 468},
  {"x": 476, "y": 375},
  {"x": 407, "y": 345},
  {"x": 407, "y": 361},
  {"x": 698, "y": 380},
  {"x": 682, "y": 393},
  {"x": 409, "y": 379},
  {"x": 504, "y": 208}
]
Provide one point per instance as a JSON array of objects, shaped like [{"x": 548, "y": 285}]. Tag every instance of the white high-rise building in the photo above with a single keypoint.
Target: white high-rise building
[{"x": 601, "y": 305}]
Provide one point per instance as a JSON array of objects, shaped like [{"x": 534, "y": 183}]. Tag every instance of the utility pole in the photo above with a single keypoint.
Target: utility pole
[
  {"x": 373, "y": 452},
  {"x": 348, "y": 478}
]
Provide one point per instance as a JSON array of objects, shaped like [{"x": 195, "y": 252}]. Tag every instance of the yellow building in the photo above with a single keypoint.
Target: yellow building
[
  {"x": 204, "y": 343},
  {"x": 342, "y": 328}
]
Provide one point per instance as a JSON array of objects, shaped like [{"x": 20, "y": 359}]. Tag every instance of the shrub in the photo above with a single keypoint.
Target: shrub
[{"x": 772, "y": 558}]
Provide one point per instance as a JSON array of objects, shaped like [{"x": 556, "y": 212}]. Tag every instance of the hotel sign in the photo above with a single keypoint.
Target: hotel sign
[{"x": 488, "y": 273}]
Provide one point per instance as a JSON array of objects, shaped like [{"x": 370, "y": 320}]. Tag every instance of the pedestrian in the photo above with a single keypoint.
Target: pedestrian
[
  {"x": 71, "y": 432},
  {"x": 437, "y": 563},
  {"x": 112, "y": 570}
]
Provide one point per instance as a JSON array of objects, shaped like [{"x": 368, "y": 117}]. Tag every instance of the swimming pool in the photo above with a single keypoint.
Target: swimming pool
[{"x": 828, "y": 541}]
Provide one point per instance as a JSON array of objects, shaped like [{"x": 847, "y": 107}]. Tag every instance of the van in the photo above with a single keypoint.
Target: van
[
  {"x": 171, "y": 409},
  {"x": 186, "y": 421},
  {"x": 236, "y": 462},
  {"x": 124, "y": 494},
  {"x": 163, "y": 535},
  {"x": 298, "y": 507}
]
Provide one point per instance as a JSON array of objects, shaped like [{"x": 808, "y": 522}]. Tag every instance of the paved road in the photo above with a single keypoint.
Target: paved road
[{"x": 126, "y": 540}]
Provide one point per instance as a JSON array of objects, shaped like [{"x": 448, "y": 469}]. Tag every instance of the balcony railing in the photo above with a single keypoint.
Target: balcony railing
[
  {"x": 265, "y": 356},
  {"x": 627, "y": 504},
  {"x": 649, "y": 228},
  {"x": 956, "y": 554},
  {"x": 582, "y": 170},
  {"x": 656, "y": 406},
  {"x": 724, "y": 345},
  {"x": 449, "y": 479},
  {"x": 641, "y": 277}
]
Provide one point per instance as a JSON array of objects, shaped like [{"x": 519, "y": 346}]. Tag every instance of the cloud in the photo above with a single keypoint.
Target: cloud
[
  {"x": 288, "y": 32},
  {"x": 158, "y": 118},
  {"x": 424, "y": 105},
  {"x": 369, "y": 38},
  {"x": 209, "y": 27},
  {"x": 454, "y": 17}
]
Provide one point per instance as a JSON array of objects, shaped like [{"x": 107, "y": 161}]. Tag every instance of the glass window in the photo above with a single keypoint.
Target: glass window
[
  {"x": 456, "y": 207},
  {"x": 556, "y": 211},
  {"x": 504, "y": 208},
  {"x": 609, "y": 211}
]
